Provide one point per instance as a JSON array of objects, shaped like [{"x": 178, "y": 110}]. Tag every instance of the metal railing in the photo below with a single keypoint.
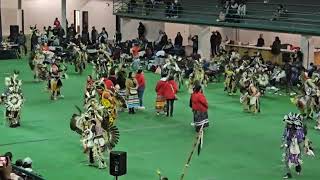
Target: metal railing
[{"x": 193, "y": 13}]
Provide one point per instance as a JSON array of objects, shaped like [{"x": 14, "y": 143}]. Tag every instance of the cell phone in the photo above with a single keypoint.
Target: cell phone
[{"x": 4, "y": 161}]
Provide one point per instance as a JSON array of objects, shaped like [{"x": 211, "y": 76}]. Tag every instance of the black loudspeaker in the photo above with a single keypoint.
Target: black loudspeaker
[
  {"x": 118, "y": 163},
  {"x": 14, "y": 30}
]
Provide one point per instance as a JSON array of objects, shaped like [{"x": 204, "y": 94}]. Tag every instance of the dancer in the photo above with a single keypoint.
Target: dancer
[
  {"x": 132, "y": 93},
  {"x": 199, "y": 105},
  {"x": 141, "y": 87},
  {"x": 55, "y": 82},
  {"x": 294, "y": 143},
  {"x": 250, "y": 98},
  {"x": 161, "y": 100},
  {"x": 230, "y": 80},
  {"x": 170, "y": 91},
  {"x": 13, "y": 100}
]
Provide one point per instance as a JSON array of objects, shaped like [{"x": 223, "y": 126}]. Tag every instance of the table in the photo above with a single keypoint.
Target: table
[
  {"x": 265, "y": 52},
  {"x": 6, "y": 54}
]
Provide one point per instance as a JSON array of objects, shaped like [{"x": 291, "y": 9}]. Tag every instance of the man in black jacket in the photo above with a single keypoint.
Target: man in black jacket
[
  {"x": 178, "y": 40},
  {"x": 94, "y": 35},
  {"x": 21, "y": 41},
  {"x": 141, "y": 30}
]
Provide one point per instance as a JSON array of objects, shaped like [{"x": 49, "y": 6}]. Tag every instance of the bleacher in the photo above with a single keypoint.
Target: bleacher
[{"x": 303, "y": 17}]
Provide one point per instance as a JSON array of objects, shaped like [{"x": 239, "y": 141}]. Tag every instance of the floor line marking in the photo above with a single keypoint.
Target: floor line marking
[{"x": 24, "y": 142}]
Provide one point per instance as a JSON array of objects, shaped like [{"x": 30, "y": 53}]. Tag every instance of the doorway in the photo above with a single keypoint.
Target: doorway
[
  {"x": 76, "y": 15},
  {"x": 85, "y": 21}
]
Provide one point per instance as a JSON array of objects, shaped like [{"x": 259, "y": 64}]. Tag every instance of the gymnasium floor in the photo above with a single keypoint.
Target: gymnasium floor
[{"x": 237, "y": 145}]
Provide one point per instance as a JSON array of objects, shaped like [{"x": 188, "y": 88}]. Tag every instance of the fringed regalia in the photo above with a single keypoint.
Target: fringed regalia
[
  {"x": 294, "y": 143},
  {"x": 13, "y": 100}
]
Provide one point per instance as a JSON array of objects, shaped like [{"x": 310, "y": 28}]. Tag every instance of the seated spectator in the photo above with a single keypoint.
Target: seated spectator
[
  {"x": 135, "y": 50},
  {"x": 260, "y": 42},
  {"x": 148, "y": 6},
  {"x": 27, "y": 164},
  {"x": 281, "y": 11},
  {"x": 177, "y": 9},
  {"x": 242, "y": 8},
  {"x": 168, "y": 47},
  {"x": 131, "y": 5}
]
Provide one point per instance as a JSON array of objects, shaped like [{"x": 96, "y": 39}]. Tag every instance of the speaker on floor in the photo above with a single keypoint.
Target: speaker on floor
[
  {"x": 118, "y": 163},
  {"x": 14, "y": 30}
]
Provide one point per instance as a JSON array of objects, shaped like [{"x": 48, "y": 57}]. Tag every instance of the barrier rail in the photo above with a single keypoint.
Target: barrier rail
[
  {"x": 31, "y": 176},
  {"x": 296, "y": 21}
]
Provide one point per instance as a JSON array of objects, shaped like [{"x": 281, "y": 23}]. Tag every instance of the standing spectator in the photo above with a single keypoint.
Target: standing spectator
[
  {"x": 213, "y": 43},
  {"x": 195, "y": 44},
  {"x": 34, "y": 40},
  {"x": 199, "y": 105},
  {"x": 161, "y": 100},
  {"x": 71, "y": 33},
  {"x": 170, "y": 91},
  {"x": 85, "y": 36},
  {"x": 178, "y": 41},
  {"x": 94, "y": 35},
  {"x": 21, "y": 41},
  {"x": 260, "y": 42},
  {"x": 141, "y": 30},
  {"x": 141, "y": 86},
  {"x": 219, "y": 40},
  {"x": 103, "y": 37},
  {"x": 57, "y": 24},
  {"x": 132, "y": 93},
  {"x": 118, "y": 37},
  {"x": 276, "y": 50}
]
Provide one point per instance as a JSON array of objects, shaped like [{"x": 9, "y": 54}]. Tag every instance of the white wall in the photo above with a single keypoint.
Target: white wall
[
  {"x": 40, "y": 12},
  {"x": 9, "y": 12},
  {"x": 129, "y": 29},
  {"x": 172, "y": 29},
  {"x": 43, "y": 13}
]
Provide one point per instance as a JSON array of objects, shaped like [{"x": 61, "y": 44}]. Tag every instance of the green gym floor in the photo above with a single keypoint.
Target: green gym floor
[{"x": 237, "y": 146}]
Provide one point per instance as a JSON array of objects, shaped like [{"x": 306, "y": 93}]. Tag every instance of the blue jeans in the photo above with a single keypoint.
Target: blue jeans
[{"x": 140, "y": 95}]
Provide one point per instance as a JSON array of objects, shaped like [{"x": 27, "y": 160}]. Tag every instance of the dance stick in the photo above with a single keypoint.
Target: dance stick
[{"x": 198, "y": 140}]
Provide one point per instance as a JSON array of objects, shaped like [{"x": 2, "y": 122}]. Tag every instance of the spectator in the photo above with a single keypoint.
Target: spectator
[
  {"x": 94, "y": 35},
  {"x": 178, "y": 41},
  {"x": 34, "y": 40},
  {"x": 132, "y": 93},
  {"x": 213, "y": 43},
  {"x": 85, "y": 36},
  {"x": 260, "y": 42},
  {"x": 276, "y": 50},
  {"x": 103, "y": 37},
  {"x": 141, "y": 30},
  {"x": 21, "y": 41},
  {"x": 195, "y": 44},
  {"x": 141, "y": 86},
  {"x": 170, "y": 91},
  {"x": 27, "y": 164},
  {"x": 131, "y": 5},
  {"x": 148, "y": 6},
  {"x": 219, "y": 40},
  {"x": 135, "y": 50},
  {"x": 242, "y": 8},
  {"x": 177, "y": 9},
  {"x": 57, "y": 24},
  {"x": 71, "y": 32},
  {"x": 168, "y": 47},
  {"x": 118, "y": 37}
]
